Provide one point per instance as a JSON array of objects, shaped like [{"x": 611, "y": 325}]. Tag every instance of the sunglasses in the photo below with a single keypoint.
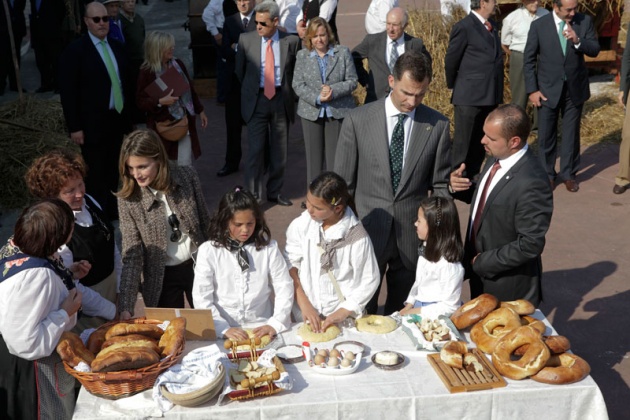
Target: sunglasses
[
  {"x": 97, "y": 19},
  {"x": 265, "y": 24},
  {"x": 176, "y": 235}
]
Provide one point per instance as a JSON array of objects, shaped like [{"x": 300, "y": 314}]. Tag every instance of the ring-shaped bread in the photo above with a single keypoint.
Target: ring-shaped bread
[
  {"x": 557, "y": 344},
  {"x": 474, "y": 310},
  {"x": 530, "y": 363},
  {"x": 376, "y": 324},
  {"x": 565, "y": 368},
  {"x": 495, "y": 325},
  {"x": 520, "y": 306},
  {"x": 537, "y": 324}
]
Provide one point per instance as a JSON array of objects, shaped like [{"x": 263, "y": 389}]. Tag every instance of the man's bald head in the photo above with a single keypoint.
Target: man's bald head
[
  {"x": 396, "y": 22},
  {"x": 95, "y": 13}
]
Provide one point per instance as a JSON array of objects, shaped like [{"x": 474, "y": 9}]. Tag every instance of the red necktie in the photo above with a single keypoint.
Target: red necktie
[
  {"x": 488, "y": 25},
  {"x": 482, "y": 201},
  {"x": 270, "y": 78}
]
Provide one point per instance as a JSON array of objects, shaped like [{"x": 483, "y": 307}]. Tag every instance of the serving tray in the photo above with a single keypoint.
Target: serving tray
[{"x": 460, "y": 380}]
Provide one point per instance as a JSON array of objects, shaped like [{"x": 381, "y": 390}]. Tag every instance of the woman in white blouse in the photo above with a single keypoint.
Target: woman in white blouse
[{"x": 239, "y": 270}]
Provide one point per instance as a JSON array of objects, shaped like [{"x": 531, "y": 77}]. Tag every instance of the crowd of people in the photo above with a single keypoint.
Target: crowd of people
[{"x": 375, "y": 171}]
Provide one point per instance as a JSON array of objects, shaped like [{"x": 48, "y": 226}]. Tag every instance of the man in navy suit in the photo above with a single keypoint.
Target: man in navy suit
[
  {"x": 92, "y": 96},
  {"x": 510, "y": 212},
  {"x": 556, "y": 79},
  {"x": 474, "y": 71},
  {"x": 233, "y": 27}
]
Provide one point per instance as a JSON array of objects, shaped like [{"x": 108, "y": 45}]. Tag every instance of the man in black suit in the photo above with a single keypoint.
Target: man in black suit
[
  {"x": 94, "y": 86},
  {"x": 556, "y": 80},
  {"x": 474, "y": 71},
  {"x": 18, "y": 28},
  {"x": 233, "y": 27},
  {"x": 510, "y": 212},
  {"x": 47, "y": 39},
  {"x": 267, "y": 98},
  {"x": 382, "y": 50}
]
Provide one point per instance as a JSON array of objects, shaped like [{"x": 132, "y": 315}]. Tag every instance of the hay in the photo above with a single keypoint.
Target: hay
[
  {"x": 28, "y": 129},
  {"x": 602, "y": 120}
]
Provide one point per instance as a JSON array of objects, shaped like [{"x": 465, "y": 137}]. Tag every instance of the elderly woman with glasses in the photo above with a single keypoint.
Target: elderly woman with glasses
[{"x": 163, "y": 220}]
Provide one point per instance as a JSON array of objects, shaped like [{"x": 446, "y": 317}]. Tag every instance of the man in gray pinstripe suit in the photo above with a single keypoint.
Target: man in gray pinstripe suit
[{"x": 387, "y": 199}]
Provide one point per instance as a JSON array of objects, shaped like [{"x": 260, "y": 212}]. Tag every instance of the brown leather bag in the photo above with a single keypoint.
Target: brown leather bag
[{"x": 172, "y": 130}]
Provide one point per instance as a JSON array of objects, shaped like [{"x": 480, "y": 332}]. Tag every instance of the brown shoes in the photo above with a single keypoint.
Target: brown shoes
[
  {"x": 620, "y": 189},
  {"x": 572, "y": 185}
]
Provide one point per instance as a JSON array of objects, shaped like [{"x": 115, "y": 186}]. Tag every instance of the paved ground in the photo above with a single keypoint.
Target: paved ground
[{"x": 586, "y": 288}]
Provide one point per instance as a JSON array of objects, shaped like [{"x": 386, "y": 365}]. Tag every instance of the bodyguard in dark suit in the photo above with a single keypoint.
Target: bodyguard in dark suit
[
  {"x": 510, "y": 212},
  {"x": 267, "y": 99},
  {"x": 556, "y": 80},
  {"x": 392, "y": 152},
  {"x": 474, "y": 71},
  {"x": 233, "y": 27},
  {"x": 92, "y": 96},
  {"x": 18, "y": 28},
  {"x": 377, "y": 48},
  {"x": 46, "y": 20}
]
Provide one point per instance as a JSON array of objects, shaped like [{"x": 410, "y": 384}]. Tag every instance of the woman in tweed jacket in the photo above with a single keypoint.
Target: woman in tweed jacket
[
  {"x": 323, "y": 79},
  {"x": 163, "y": 220}
]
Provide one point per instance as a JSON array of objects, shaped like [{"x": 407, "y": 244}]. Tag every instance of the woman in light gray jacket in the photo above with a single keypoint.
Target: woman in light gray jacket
[{"x": 324, "y": 79}]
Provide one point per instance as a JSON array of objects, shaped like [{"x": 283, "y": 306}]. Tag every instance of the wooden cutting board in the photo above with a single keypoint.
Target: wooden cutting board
[{"x": 460, "y": 380}]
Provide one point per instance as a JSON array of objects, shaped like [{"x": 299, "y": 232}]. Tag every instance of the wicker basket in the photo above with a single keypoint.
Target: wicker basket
[
  {"x": 200, "y": 396},
  {"x": 115, "y": 385}
]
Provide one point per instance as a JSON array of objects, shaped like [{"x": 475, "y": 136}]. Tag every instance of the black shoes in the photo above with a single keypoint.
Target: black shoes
[
  {"x": 280, "y": 200},
  {"x": 226, "y": 170}
]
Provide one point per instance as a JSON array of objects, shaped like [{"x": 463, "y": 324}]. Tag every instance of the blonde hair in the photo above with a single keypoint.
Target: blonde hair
[
  {"x": 147, "y": 144},
  {"x": 155, "y": 45},
  {"x": 313, "y": 25}
]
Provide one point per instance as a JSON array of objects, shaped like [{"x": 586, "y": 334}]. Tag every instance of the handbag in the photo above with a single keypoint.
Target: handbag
[{"x": 172, "y": 130}]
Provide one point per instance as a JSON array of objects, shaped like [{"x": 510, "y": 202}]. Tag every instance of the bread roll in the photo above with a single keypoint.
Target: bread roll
[
  {"x": 125, "y": 345},
  {"x": 124, "y": 338},
  {"x": 126, "y": 359},
  {"x": 72, "y": 350},
  {"x": 173, "y": 337},
  {"x": 123, "y": 328},
  {"x": 96, "y": 340}
]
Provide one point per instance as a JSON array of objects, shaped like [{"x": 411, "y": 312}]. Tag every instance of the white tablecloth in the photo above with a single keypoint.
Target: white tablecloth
[{"x": 413, "y": 392}]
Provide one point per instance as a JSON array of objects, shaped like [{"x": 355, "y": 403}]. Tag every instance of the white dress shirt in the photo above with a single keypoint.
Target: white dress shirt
[
  {"x": 31, "y": 318},
  {"x": 439, "y": 282},
  {"x": 213, "y": 17},
  {"x": 84, "y": 218},
  {"x": 289, "y": 11},
  {"x": 326, "y": 10},
  {"x": 243, "y": 299},
  {"x": 506, "y": 165},
  {"x": 275, "y": 46},
  {"x": 516, "y": 25},
  {"x": 391, "y": 114},
  {"x": 376, "y": 16},
  {"x": 355, "y": 266}
]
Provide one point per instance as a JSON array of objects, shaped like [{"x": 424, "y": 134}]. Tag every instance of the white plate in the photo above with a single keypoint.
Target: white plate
[
  {"x": 353, "y": 346},
  {"x": 338, "y": 371}
]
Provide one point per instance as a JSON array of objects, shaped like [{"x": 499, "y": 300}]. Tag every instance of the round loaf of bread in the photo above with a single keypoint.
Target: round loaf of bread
[
  {"x": 376, "y": 324},
  {"x": 565, "y": 368},
  {"x": 474, "y": 310}
]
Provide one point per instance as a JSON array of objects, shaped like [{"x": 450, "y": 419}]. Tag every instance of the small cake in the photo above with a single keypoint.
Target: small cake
[{"x": 387, "y": 358}]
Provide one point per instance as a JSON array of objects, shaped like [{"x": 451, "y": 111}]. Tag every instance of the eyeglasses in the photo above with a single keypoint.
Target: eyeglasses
[
  {"x": 97, "y": 19},
  {"x": 176, "y": 235},
  {"x": 265, "y": 24}
]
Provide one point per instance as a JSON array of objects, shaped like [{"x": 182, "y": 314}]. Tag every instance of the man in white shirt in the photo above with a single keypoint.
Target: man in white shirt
[
  {"x": 213, "y": 17},
  {"x": 289, "y": 12},
  {"x": 377, "y": 15},
  {"x": 513, "y": 39}
]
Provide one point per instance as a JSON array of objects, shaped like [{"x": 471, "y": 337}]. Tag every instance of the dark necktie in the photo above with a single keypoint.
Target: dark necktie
[
  {"x": 393, "y": 56},
  {"x": 482, "y": 201},
  {"x": 396, "y": 149},
  {"x": 241, "y": 255},
  {"x": 245, "y": 22},
  {"x": 488, "y": 25}
]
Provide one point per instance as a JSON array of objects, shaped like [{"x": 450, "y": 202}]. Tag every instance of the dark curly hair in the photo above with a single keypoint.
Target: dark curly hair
[
  {"x": 48, "y": 174},
  {"x": 233, "y": 201}
]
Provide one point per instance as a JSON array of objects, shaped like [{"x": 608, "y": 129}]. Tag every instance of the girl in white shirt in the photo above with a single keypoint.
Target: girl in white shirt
[
  {"x": 239, "y": 269},
  {"x": 439, "y": 274},
  {"x": 328, "y": 245}
]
